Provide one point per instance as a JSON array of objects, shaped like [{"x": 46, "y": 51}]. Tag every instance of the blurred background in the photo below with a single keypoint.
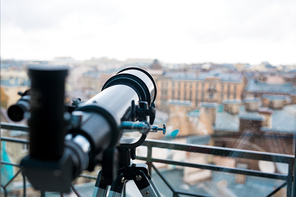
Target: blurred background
[{"x": 225, "y": 73}]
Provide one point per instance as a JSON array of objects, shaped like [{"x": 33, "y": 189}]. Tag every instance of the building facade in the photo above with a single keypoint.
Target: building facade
[{"x": 214, "y": 87}]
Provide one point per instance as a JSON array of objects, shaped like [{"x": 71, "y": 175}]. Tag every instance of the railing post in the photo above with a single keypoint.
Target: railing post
[
  {"x": 290, "y": 180},
  {"x": 24, "y": 185},
  {"x": 149, "y": 158},
  {"x": 4, "y": 190},
  {"x": 42, "y": 193}
]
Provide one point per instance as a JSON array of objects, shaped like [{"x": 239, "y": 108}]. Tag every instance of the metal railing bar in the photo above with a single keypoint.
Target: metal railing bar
[
  {"x": 75, "y": 191},
  {"x": 12, "y": 178},
  {"x": 4, "y": 189},
  {"x": 164, "y": 180},
  {"x": 286, "y": 136},
  {"x": 10, "y": 126},
  {"x": 221, "y": 151},
  {"x": 290, "y": 180},
  {"x": 222, "y": 169},
  {"x": 190, "y": 194},
  {"x": 10, "y": 164},
  {"x": 15, "y": 140},
  {"x": 171, "y": 188},
  {"x": 87, "y": 176},
  {"x": 277, "y": 189},
  {"x": 210, "y": 150},
  {"x": 24, "y": 185},
  {"x": 193, "y": 148}
]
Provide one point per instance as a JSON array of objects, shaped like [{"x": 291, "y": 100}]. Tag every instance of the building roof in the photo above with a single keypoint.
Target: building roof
[
  {"x": 248, "y": 100},
  {"x": 276, "y": 97},
  {"x": 232, "y": 102},
  {"x": 209, "y": 105},
  {"x": 179, "y": 102},
  {"x": 257, "y": 86},
  {"x": 181, "y": 75},
  {"x": 92, "y": 74},
  {"x": 283, "y": 120},
  {"x": 15, "y": 81},
  {"x": 251, "y": 116},
  {"x": 226, "y": 122},
  {"x": 194, "y": 113},
  {"x": 225, "y": 77}
]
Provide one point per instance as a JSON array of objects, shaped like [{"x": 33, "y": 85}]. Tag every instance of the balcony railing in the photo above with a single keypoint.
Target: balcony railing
[{"x": 218, "y": 151}]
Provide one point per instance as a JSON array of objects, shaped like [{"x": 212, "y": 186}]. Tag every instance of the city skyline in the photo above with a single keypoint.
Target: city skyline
[{"x": 173, "y": 32}]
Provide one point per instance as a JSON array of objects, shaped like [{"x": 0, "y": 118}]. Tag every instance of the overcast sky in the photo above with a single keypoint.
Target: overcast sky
[{"x": 172, "y": 31}]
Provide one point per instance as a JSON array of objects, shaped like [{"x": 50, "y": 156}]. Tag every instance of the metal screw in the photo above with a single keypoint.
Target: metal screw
[
  {"x": 122, "y": 180},
  {"x": 138, "y": 177},
  {"x": 57, "y": 173},
  {"x": 147, "y": 192}
]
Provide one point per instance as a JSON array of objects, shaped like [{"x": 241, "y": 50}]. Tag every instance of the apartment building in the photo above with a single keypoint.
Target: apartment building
[{"x": 213, "y": 86}]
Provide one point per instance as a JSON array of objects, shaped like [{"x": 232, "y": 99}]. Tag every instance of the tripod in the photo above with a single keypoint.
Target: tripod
[
  {"x": 127, "y": 151},
  {"x": 127, "y": 171}
]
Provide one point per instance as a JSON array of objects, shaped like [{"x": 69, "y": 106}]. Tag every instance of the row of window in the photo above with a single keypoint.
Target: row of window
[
  {"x": 176, "y": 95},
  {"x": 164, "y": 85}
]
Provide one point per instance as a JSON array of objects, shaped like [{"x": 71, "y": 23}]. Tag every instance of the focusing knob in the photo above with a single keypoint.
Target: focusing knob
[{"x": 155, "y": 128}]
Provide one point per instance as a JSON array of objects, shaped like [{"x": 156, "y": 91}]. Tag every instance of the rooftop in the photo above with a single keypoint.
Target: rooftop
[
  {"x": 225, "y": 77},
  {"x": 257, "y": 86},
  {"x": 283, "y": 120},
  {"x": 15, "y": 82}
]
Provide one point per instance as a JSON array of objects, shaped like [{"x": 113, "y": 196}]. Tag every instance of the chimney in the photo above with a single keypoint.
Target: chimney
[
  {"x": 209, "y": 109},
  {"x": 250, "y": 121},
  {"x": 252, "y": 105},
  {"x": 274, "y": 101},
  {"x": 232, "y": 106},
  {"x": 207, "y": 118},
  {"x": 293, "y": 98},
  {"x": 277, "y": 103},
  {"x": 265, "y": 102},
  {"x": 266, "y": 113}
]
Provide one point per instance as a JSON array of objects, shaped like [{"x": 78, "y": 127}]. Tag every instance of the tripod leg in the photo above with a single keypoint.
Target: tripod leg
[
  {"x": 144, "y": 185},
  {"x": 117, "y": 187},
  {"x": 101, "y": 189},
  {"x": 154, "y": 187}
]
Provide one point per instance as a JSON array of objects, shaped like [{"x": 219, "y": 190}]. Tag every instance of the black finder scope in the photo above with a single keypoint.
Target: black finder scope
[{"x": 65, "y": 140}]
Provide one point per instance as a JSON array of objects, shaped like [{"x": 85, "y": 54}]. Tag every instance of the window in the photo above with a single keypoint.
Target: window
[
  {"x": 222, "y": 92},
  {"x": 185, "y": 91},
  {"x": 25, "y": 148},
  {"x": 173, "y": 94},
  {"x": 234, "y": 92},
  {"x": 202, "y": 91},
  {"x": 228, "y": 91}
]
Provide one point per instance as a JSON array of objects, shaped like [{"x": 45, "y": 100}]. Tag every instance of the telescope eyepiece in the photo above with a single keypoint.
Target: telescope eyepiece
[{"x": 16, "y": 112}]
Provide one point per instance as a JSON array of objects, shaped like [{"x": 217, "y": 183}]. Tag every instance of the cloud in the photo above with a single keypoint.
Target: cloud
[
  {"x": 35, "y": 15},
  {"x": 182, "y": 31}
]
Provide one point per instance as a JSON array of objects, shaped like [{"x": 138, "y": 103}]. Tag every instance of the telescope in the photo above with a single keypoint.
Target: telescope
[{"x": 67, "y": 139}]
